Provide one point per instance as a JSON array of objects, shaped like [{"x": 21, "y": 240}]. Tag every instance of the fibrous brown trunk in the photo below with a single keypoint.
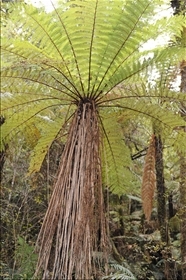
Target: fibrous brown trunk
[
  {"x": 74, "y": 227},
  {"x": 149, "y": 180}
]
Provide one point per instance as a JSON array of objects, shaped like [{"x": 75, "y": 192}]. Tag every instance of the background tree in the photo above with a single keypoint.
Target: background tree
[{"x": 180, "y": 8}]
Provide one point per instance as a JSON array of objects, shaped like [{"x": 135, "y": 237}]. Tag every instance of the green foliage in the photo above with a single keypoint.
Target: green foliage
[
  {"x": 57, "y": 44},
  {"x": 43, "y": 144},
  {"x": 79, "y": 50},
  {"x": 26, "y": 258},
  {"x": 120, "y": 272},
  {"x": 174, "y": 224},
  {"x": 22, "y": 206},
  {"x": 89, "y": 49},
  {"x": 115, "y": 155}
]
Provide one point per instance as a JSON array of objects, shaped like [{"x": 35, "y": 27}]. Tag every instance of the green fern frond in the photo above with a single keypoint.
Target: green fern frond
[
  {"x": 18, "y": 120},
  {"x": 178, "y": 141},
  {"x": 166, "y": 70},
  {"x": 116, "y": 156},
  {"x": 36, "y": 79},
  {"x": 79, "y": 37},
  {"x": 19, "y": 102},
  {"x": 43, "y": 144},
  {"x": 174, "y": 27},
  {"x": 143, "y": 90},
  {"x": 120, "y": 272},
  {"x": 83, "y": 49},
  {"x": 168, "y": 119}
]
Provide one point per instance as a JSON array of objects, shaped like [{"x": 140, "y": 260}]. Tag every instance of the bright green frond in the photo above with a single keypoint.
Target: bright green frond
[
  {"x": 168, "y": 119},
  {"x": 93, "y": 45},
  {"x": 167, "y": 122},
  {"x": 21, "y": 116},
  {"x": 152, "y": 92},
  {"x": 50, "y": 131},
  {"x": 116, "y": 156},
  {"x": 43, "y": 77},
  {"x": 174, "y": 26},
  {"x": 87, "y": 49},
  {"x": 178, "y": 141}
]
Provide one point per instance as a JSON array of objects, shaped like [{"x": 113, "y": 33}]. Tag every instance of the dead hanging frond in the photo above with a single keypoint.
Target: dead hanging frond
[
  {"x": 74, "y": 225},
  {"x": 149, "y": 180}
]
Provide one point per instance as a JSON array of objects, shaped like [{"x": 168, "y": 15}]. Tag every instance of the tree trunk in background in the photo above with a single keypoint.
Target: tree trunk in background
[
  {"x": 169, "y": 271},
  {"x": 179, "y": 7},
  {"x": 171, "y": 207},
  {"x": 182, "y": 212},
  {"x": 161, "y": 207}
]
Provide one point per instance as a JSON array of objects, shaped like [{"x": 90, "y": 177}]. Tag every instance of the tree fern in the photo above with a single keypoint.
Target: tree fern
[
  {"x": 47, "y": 63},
  {"x": 82, "y": 59}
]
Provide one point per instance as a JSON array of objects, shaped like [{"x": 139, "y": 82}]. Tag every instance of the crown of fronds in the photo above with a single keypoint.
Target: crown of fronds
[{"x": 83, "y": 50}]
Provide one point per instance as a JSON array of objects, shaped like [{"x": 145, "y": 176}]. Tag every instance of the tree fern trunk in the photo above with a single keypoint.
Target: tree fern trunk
[
  {"x": 75, "y": 224},
  {"x": 149, "y": 180},
  {"x": 160, "y": 187}
]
